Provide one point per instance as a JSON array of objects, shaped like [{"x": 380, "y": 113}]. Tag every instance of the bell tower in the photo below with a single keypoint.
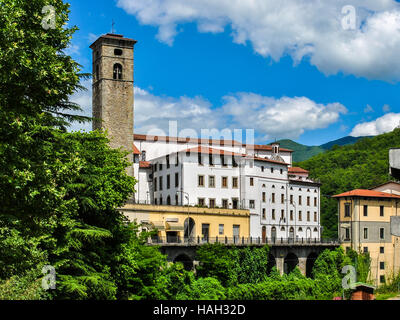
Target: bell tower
[{"x": 113, "y": 90}]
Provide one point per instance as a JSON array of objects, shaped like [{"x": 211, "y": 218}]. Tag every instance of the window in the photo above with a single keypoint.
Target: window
[
  {"x": 221, "y": 229},
  {"x": 315, "y": 217},
  {"x": 382, "y": 279},
  {"x": 365, "y": 249},
  {"x": 347, "y": 210},
  {"x": 223, "y": 163},
  {"x": 308, "y": 215},
  {"x": 201, "y": 181},
  {"x": 273, "y": 198},
  {"x": 315, "y": 202},
  {"x": 210, "y": 160},
  {"x": 272, "y": 170},
  {"x": 381, "y": 265},
  {"x": 161, "y": 183},
  {"x": 365, "y": 233},
  {"x": 382, "y": 211},
  {"x": 155, "y": 201},
  {"x": 308, "y": 201},
  {"x": 252, "y": 204},
  {"x": 225, "y": 203},
  {"x": 169, "y": 200},
  {"x": 161, "y": 201},
  {"x": 365, "y": 211},
  {"x": 273, "y": 214},
  {"x": 176, "y": 180},
  {"x": 176, "y": 200},
  {"x": 291, "y": 199},
  {"x": 282, "y": 198},
  {"x": 263, "y": 213},
  {"x": 155, "y": 167},
  {"x": 200, "y": 159},
  {"x": 160, "y": 166},
  {"x": 211, "y": 181},
  {"x": 282, "y": 214},
  {"x": 382, "y": 233},
  {"x": 117, "y": 75},
  {"x": 155, "y": 184},
  {"x": 347, "y": 234},
  {"x": 300, "y": 216},
  {"x": 224, "y": 182},
  {"x": 252, "y": 182},
  {"x": 97, "y": 73},
  {"x": 235, "y": 183},
  {"x": 281, "y": 171},
  {"x": 234, "y": 163},
  {"x": 263, "y": 197},
  {"x": 211, "y": 203},
  {"x": 382, "y": 249},
  {"x": 168, "y": 181},
  {"x": 262, "y": 168},
  {"x": 201, "y": 202},
  {"x": 168, "y": 165},
  {"x": 118, "y": 52},
  {"x": 300, "y": 200},
  {"x": 291, "y": 215},
  {"x": 177, "y": 160}
]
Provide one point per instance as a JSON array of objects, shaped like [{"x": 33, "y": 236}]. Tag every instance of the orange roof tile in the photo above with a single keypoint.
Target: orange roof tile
[
  {"x": 298, "y": 170},
  {"x": 366, "y": 193},
  {"x": 207, "y": 150},
  {"x": 268, "y": 160},
  {"x": 136, "y": 150},
  {"x": 144, "y": 164}
]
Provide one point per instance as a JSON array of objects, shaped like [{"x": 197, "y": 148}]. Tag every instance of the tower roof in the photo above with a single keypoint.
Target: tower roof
[{"x": 113, "y": 36}]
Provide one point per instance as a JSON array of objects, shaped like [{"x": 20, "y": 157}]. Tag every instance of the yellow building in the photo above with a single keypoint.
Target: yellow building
[
  {"x": 364, "y": 226},
  {"x": 182, "y": 224}
]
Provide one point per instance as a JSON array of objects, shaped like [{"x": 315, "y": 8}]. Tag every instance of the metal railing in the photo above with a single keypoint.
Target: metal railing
[{"x": 170, "y": 240}]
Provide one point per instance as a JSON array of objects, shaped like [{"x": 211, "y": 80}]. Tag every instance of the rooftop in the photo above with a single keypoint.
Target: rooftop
[{"x": 366, "y": 193}]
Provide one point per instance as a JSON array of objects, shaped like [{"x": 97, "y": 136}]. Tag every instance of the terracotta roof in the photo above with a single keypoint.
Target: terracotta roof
[
  {"x": 267, "y": 160},
  {"x": 136, "y": 150},
  {"x": 262, "y": 147},
  {"x": 298, "y": 170},
  {"x": 366, "y": 193},
  {"x": 207, "y": 150},
  {"x": 114, "y": 36},
  {"x": 144, "y": 164},
  {"x": 143, "y": 137}
]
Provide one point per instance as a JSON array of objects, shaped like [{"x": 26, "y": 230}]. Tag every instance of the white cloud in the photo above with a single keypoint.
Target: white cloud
[
  {"x": 269, "y": 117},
  {"x": 300, "y": 28},
  {"x": 384, "y": 124},
  {"x": 280, "y": 118}
]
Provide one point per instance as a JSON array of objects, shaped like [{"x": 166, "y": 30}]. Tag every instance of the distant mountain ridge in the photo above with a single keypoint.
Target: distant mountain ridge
[{"x": 303, "y": 152}]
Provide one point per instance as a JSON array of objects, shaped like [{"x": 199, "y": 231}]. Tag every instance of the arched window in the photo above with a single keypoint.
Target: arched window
[
  {"x": 300, "y": 229},
  {"x": 315, "y": 230},
  {"x": 283, "y": 229},
  {"x": 169, "y": 200},
  {"x": 117, "y": 72}
]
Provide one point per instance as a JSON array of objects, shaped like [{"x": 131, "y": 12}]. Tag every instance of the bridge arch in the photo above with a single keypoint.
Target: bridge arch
[
  {"x": 185, "y": 260},
  {"x": 310, "y": 263},
  {"x": 290, "y": 263}
]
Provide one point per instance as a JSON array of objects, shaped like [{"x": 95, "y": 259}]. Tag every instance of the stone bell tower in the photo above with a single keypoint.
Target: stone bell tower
[{"x": 113, "y": 90}]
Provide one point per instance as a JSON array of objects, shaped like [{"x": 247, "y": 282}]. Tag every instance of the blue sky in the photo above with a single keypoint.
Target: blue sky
[{"x": 288, "y": 71}]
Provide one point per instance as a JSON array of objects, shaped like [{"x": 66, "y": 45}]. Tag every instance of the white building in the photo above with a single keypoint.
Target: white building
[{"x": 283, "y": 201}]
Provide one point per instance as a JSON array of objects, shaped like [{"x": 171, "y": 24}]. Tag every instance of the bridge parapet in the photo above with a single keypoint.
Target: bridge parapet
[{"x": 237, "y": 241}]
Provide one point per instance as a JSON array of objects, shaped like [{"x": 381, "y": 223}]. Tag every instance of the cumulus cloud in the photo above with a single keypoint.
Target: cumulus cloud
[
  {"x": 384, "y": 124},
  {"x": 310, "y": 29},
  {"x": 269, "y": 117},
  {"x": 280, "y": 118}
]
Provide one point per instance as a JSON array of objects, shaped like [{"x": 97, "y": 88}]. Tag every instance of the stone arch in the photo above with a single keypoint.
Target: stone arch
[
  {"x": 310, "y": 263},
  {"x": 290, "y": 263},
  {"x": 185, "y": 260}
]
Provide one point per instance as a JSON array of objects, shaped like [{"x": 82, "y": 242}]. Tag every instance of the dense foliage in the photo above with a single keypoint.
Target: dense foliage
[{"x": 360, "y": 166}]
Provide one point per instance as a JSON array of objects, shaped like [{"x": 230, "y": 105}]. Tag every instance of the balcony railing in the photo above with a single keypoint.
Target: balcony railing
[{"x": 238, "y": 241}]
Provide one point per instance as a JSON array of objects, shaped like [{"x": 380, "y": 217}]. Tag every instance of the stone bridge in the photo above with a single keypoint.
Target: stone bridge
[{"x": 285, "y": 255}]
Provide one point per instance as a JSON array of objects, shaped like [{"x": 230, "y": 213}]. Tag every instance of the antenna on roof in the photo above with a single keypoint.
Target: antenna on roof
[{"x": 112, "y": 27}]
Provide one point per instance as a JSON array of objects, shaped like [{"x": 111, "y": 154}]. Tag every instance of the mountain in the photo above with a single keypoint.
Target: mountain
[
  {"x": 303, "y": 152},
  {"x": 361, "y": 165}
]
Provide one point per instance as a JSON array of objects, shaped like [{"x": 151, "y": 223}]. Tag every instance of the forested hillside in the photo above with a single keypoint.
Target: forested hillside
[{"x": 364, "y": 164}]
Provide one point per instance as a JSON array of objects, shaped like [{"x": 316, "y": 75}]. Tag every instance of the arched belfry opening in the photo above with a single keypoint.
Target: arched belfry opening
[{"x": 117, "y": 74}]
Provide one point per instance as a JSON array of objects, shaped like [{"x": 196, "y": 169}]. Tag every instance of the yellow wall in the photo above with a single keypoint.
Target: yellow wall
[
  {"x": 391, "y": 255},
  {"x": 213, "y": 217}
]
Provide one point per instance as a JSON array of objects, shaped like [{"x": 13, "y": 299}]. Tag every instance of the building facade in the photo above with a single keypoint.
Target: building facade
[{"x": 364, "y": 226}]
